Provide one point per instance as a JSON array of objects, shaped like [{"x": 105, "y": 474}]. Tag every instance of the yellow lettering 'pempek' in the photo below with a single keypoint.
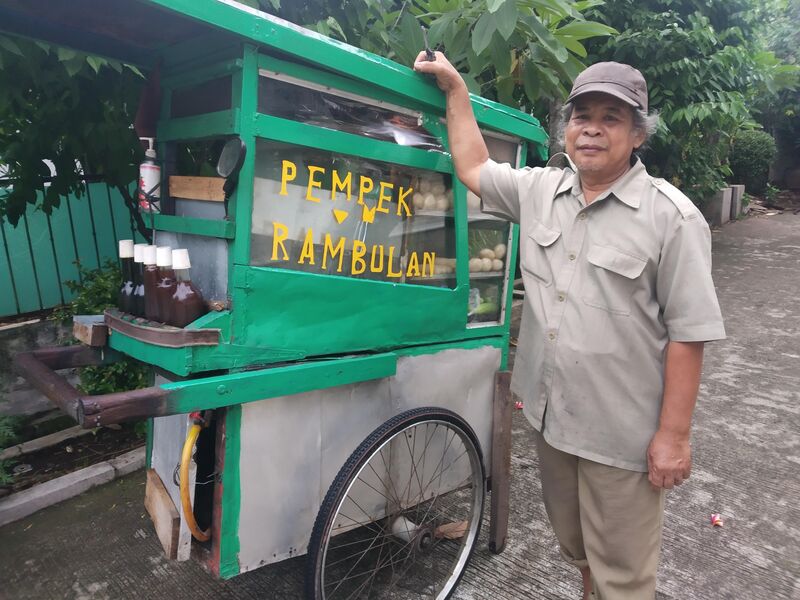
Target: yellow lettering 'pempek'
[{"x": 288, "y": 173}]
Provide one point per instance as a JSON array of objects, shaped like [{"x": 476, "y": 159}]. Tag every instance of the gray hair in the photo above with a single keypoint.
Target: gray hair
[{"x": 646, "y": 123}]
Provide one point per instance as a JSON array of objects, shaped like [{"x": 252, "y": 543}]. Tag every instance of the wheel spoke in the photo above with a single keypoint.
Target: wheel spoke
[{"x": 429, "y": 479}]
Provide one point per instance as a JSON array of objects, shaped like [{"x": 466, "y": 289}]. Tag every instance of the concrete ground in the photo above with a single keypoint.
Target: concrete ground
[{"x": 747, "y": 466}]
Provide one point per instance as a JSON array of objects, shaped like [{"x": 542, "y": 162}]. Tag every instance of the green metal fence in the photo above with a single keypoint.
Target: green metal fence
[{"x": 39, "y": 254}]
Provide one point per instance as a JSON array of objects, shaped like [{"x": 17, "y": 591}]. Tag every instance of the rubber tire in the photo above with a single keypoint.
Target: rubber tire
[{"x": 352, "y": 466}]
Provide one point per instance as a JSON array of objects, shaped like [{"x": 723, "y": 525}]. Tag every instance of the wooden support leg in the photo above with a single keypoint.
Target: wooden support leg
[{"x": 501, "y": 462}]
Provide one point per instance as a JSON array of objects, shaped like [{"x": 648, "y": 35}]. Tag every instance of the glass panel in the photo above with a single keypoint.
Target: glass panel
[
  {"x": 321, "y": 212},
  {"x": 206, "y": 97},
  {"x": 342, "y": 112},
  {"x": 488, "y": 238}
]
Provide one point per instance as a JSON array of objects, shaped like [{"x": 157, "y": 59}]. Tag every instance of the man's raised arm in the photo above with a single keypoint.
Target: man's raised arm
[{"x": 466, "y": 142}]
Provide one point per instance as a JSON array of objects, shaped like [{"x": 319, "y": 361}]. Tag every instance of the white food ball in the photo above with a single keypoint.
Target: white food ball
[
  {"x": 486, "y": 253},
  {"x": 500, "y": 250},
  {"x": 430, "y": 202},
  {"x": 418, "y": 200},
  {"x": 486, "y": 264},
  {"x": 441, "y": 203},
  {"x": 475, "y": 265},
  {"x": 438, "y": 188},
  {"x": 497, "y": 265},
  {"x": 424, "y": 186}
]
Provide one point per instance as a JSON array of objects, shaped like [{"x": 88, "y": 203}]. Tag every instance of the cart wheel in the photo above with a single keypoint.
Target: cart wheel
[{"x": 401, "y": 518}]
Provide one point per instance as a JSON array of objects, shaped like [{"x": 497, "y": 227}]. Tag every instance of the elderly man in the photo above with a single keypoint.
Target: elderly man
[{"x": 619, "y": 301}]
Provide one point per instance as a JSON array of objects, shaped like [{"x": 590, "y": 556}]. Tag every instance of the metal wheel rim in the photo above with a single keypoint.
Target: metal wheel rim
[{"x": 476, "y": 501}]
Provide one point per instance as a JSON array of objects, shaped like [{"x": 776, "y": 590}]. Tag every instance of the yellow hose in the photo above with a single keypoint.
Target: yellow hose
[{"x": 186, "y": 501}]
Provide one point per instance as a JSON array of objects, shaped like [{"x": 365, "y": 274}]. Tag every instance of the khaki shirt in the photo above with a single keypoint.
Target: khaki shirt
[{"x": 607, "y": 286}]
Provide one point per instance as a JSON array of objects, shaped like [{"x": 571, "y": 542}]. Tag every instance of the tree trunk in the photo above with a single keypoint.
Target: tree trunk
[{"x": 133, "y": 209}]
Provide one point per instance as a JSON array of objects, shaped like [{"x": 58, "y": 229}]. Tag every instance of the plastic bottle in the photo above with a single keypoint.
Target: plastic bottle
[
  {"x": 165, "y": 286},
  {"x": 150, "y": 277},
  {"x": 137, "y": 306},
  {"x": 125, "y": 299},
  {"x": 187, "y": 303},
  {"x": 149, "y": 193}
]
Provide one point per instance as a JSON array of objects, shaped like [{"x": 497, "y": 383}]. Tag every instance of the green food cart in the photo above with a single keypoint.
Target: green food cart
[{"x": 345, "y": 396}]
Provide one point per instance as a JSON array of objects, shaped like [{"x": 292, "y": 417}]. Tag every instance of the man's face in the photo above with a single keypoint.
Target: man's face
[{"x": 600, "y": 136}]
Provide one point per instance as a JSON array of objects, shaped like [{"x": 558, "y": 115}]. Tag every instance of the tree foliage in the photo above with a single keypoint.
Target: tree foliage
[
  {"x": 522, "y": 53},
  {"x": 703, "y": 66},
  {"x": 68, "y": 109}
]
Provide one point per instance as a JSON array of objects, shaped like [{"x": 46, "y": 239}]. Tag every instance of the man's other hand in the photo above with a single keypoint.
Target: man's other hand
[
  {"x": 447, "y": 77},
  {"x": 669, "y": 459}
]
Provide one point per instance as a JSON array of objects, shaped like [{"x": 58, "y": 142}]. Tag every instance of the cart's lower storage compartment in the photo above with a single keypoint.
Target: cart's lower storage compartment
[{"x": 276, "y": 458}]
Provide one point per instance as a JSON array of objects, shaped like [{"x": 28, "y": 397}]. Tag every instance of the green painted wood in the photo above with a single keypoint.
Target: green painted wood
[
  {"x": 175, "y": 360},
  {"x": 389, "y": 76},
  {"x": 42, "y": 251},
  {"x": 224, "y": 122},
  {"x": 21, "y": 267},
  {"x": 231, "y": 494},
  {"x": 65, "y": 248},
  {"x": 214, "y": 320},
  {"x": 8, "y": 299},
  {"x": 315, "y": 315},
  {"x": 106, "y": 235},
  {"x": 245, "y": 94},
  {"x": 249, "y": 386},
  {"x": 84, "y": 237},
  {"x": 149, "y": 444},
  {"x": 204, "y": 227},
  {"x": 292, "y": 132}
]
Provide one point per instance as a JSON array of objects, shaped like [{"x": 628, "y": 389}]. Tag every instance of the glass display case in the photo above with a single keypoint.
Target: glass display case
[{"x": 488, "y": 241}]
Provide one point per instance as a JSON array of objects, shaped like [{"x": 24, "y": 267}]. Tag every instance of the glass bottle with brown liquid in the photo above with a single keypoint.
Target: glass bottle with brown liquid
[
  {"x": 125, "y": 298},
  {"x": 165, "y": 286},
  {"x": 150, "y": 277},
  {"x": 187, "y": 303},
  {"x": 137, "y": 304}
]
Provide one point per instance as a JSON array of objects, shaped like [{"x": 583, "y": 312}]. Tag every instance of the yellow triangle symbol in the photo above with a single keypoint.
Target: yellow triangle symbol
[
  {"x": 340, "y": 215},
  {"x": 367, "y": 214}
]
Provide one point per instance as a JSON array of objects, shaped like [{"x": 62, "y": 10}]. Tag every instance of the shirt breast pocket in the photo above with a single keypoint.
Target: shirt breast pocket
[
  {"x": 612, "y": 278},
  {"x": 537, "y": 252}
]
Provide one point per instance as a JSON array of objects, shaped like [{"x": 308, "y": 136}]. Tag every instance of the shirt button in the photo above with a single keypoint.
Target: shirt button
[
  {"x": 582, "y": 216},
  {"x": 561, "y": 297},
  {"x": 552, "y": 335},
  {"x": 572, "y": 256}
]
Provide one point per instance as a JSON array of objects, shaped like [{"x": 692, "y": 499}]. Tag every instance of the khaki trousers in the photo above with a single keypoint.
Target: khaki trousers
[{"x": 606, "y": 518}]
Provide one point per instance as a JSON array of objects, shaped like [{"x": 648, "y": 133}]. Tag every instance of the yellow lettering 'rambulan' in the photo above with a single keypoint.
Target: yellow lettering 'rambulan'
[
  {"x": 428, "y": 259},
  {"x": 312, "y": 183},
  {"x": 279, "y": 234},
  {"x": 288, "y": 173},
  {"x": 389, "y": 273},
  {"x": 373, "y": 268},
  {"x": 358, "y": 265},
  {"x": 383, "y": 196},
  {"x": 330, "y": 250},
  {"x": 365, "y": 186},
  {"x": 307, "y": 253},
  {"x": 413, "y": 266},
  {"x": 401, "y": 200},
  {"x": 341, "y": 184}
]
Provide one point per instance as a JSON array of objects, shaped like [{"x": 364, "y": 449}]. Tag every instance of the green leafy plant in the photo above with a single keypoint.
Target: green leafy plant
[
  {"x": 771, "y": 194},
  {"x": 98, "y": 291},
  {"x": 752, "y": 153}
]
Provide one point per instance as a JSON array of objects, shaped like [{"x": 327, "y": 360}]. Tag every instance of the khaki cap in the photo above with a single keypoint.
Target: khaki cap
[{"x": 617, "y": 79}]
